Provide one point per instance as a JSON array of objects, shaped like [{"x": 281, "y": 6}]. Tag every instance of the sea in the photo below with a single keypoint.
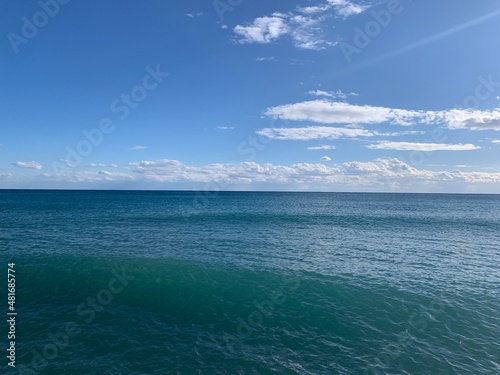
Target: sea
[{"x": 193, "y": 282}]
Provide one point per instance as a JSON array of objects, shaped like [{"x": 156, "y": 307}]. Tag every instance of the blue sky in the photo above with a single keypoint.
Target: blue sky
[{"x": 321, "y": 95}]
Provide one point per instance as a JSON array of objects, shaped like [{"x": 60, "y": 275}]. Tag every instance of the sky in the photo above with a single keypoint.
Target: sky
[{"x": 302, "y": 95}]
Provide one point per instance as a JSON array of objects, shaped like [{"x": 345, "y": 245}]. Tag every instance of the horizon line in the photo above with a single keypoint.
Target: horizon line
[{"x": 242, "y": 191}]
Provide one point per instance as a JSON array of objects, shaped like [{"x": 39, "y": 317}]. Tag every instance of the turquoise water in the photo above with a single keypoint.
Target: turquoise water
[{"x": 252, "y": 283}]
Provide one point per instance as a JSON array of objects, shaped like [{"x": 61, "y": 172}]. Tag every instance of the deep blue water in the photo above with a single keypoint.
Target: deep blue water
[{"x": 252, "y": 283}]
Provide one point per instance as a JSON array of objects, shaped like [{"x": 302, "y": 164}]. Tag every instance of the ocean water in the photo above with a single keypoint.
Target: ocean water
[{"x": 251, "y": 283}]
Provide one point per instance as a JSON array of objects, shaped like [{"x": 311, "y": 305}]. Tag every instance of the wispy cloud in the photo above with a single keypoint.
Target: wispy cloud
[
  {"x": 314, "y": 9},
  {"x": 194, "y": 15},
  {"x": 225, "y": 127},
  {"x": 135, "y": 148},
  {"x": 73, "y": 165},
  {"x": 346, "y": 8},
  {"x": 342, "y": 8},
  {"x": 325, "y": 158},
  {"x": 262, "y": 59},
  {"x": 321, "y": 93},
  {"x": 399, "y": 134},
  {"x": 414, "y": 146},
  {"x": 497, "y": 141},
  {"x": 313, "y": 133},
  {"x": 28, "y": 164},
  {"x": 332, "y": 94},
  {"x": 101, "y": 165},
  {"x": 114, "y": 176},
  {"x": 321, "y": 147},
  {"x": 308, "y": 133}
]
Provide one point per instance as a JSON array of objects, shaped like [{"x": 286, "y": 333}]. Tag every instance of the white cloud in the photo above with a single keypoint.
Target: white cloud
[
  {"x": 473, "y": 119},
  {"x": 101, "y": 165},
  {"x": 399, "y": 134},
  {"x": 261, "y": 59},
  {"x": 497, "y": 141},
  {"x": 332, "y": 94},
  {"x": 28, "y": 165},
  {"x": 305, "y": 32},
  {"x": 302, "y": 29},
  {"x": 333, "y": 112},
  {"x": 225, "y": 127},
  {"x": 194, "y": 15},
  {"x": 263, "y": 30},
  {"x": 346, "y": 8},
  {"x": 381, "y": 174},
  {"x": 321, "y": 93},
  {"x": 70, "y": 164},
  {"x": 404, "y": 173},
  {"x": 463, "y": 166},
  {"x": 303, "y": 26},
  {"x": 135, "y": 148},
  {"x": 314, "y": 9},
  {"x": 325, "y": 158},
  {"x": 321, "y": 147},
  {"x": 72, "y": 178},
  {"x": 113, "y": 176},
  {"x": 351, "y": 175},
  {"x": 413, "y": 146},
  {"x": 342, "y": 8},
  {"x": 240, "y": 173},
  {"x": 169, "y": 170},
  {"x": 312, "y": 133}
]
